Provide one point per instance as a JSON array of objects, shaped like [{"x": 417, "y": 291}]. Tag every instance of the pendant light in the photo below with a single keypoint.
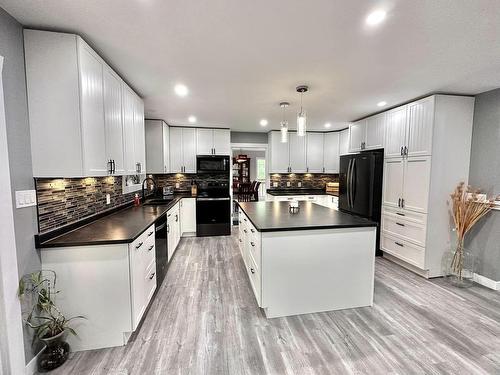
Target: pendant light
[
  {"x": 301, "y": 116},
  {"x": 284, "y": 123}
]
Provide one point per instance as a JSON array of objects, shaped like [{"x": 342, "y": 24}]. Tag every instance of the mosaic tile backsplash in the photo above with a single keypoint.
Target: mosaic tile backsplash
[
  {"x": 308, "y": 180},
  {"x": 65, "y": 201}
]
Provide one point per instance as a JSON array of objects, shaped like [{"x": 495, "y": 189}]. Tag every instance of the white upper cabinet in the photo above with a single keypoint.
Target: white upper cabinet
[
  {"x": 222, "y": 142},
  {"x": 395, "y": 134},
  {"x": 375, "y": 131},
  {"x": 279, "y": 157},
  {"x": 113, "y": 120},
  {"x": 344, "y": 142},
  {"x": 128, "y": 100},
  {"x": 420, "y": 125},
  {"x": 157, "y": 146},
  {"x": 297, "y": 153},
  {"x": 357, "y": 136},
  {"x": 182, "y": 150},
  {"x": 78, "y": 113},
  {"x": 331, "y": 152},
  {"x": 213, "y": 141},
  {"x": 139, "y": 135},
  {"x": 204, "y": 141},
  {"x": 315, "y": 152}
]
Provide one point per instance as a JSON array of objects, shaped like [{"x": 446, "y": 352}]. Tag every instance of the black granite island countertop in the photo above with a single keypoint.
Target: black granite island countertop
[
  {"x": 123, "y": 226},
  {"x": 275, "y": 216},
  {"x": 299, "y": 191}
]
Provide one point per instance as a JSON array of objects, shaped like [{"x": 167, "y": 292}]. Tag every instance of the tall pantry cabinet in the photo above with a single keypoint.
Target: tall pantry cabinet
[
  {"x": 427, "y": 153},
  {"x": 84, "y": 119}
]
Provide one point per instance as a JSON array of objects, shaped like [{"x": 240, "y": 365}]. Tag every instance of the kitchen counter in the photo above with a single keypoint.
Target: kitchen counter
[
  {"x": 123, "y": 226},
  {"x": 275, "y": 216},
  {"x": 299, "y": 191}
]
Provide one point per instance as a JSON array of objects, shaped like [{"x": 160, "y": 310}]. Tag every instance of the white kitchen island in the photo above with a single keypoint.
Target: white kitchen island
[{"x": 316, "y": 260}]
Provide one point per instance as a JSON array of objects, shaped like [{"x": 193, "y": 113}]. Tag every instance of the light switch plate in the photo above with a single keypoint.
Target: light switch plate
[
  {"x": 288, "y": 184},
  {"x": 299, "y": 184},
  {"x": 177, "y": 185},
  {"x": 108, "y": 198},
  {"x": 275, "y": 184},
  {"x": 25, "y": 198}
]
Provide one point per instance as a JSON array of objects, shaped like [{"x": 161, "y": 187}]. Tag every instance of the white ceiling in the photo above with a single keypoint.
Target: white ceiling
[{"x": 240, "y": 58}]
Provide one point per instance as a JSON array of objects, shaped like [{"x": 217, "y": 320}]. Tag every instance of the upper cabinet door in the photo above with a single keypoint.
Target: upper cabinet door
[
  {"x": 222, "y": 142},
  {"x": 280, "y": 161},
  {"x": 393, "y": 182},
  {"x": 92, "y": 112},
  {"x": 416, "y": 183},
  {"x": 315, "y": 152},
  {"x": 344, "y": 142},
  {"x": 331, "y": 152},
  {"x": 176, "y": 157},
  {"x": 155, "y": 146},
  {"x": 375, "y": 131},
  {"x": 204, "y": 141},
  {"x": 166, "y": 148},
  {"x": 189, "y": 149},
  {"x": 395, "y": 132},
  {"x": 140, "y": 139},
  {"x": 357, "y": 136},
  {"x": 297, "y": 153},
  {"x": 420, "y": 125},
  {"x": 128, "y": 108},
  {"x": 113, "y": 119}
]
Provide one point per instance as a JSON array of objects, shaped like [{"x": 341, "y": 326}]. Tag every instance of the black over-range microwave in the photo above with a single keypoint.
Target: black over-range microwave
[{"x": 212, "y": 164}]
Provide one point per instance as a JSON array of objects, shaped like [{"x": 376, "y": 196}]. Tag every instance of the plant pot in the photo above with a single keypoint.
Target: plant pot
[
  {"x": 460, "y": 264},
  {"x": 55, "y": 353}
]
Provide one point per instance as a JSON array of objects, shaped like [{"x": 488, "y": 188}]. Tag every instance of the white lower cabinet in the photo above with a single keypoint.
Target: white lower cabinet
[
  {"x": 173, "y": 230},
  {"x": 111, "y": 285},
  {"x": 324, "y": 200},
  {"x": 188, "y": 216}
]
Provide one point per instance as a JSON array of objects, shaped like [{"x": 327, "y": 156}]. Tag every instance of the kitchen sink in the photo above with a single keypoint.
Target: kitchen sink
[{"x": 155, "y": 202}]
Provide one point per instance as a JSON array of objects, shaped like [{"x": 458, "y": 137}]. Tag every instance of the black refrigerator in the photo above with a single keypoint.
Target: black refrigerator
[{"x": 360, "y": 186}]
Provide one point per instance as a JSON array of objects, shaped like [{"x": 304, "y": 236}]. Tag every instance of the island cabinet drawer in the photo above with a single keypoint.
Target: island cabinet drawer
[
  {"x": 145, "y": 238},
  {"x": 408, "y": 229},
  {"x": 403, "y": 250},
  {"x": 254, "y": 245},
  {"x": 255, "y": 280}
]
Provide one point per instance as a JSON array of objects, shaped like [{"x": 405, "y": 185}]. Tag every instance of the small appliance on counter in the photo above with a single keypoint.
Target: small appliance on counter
[{"x": 168, "y": 190}]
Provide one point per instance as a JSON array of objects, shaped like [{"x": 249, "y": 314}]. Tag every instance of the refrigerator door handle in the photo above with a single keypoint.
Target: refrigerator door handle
[
  {"x": 348, "y": 181},
  {"x": 353, "y": 182}
]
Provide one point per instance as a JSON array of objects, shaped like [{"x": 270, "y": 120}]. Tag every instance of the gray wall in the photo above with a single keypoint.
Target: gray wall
[
  {"x": 248, "y": 137},
  {"x": 485, "y": 174},
  {"x": 18, "y": 139}
]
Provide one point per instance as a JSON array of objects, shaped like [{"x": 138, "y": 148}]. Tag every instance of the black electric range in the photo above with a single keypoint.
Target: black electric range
[{"x": 213, "y": 209}]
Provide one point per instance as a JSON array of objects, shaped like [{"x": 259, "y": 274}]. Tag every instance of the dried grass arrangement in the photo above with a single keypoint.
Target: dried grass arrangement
[{"x": 467, "y": 208}]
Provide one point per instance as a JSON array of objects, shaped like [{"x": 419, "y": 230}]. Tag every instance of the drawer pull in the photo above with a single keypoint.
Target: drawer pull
[
  {"x": 252, "y": 230},
  {"x": 151, "y": 247},
  {"x": 252, "y": 243},
  {"x": 152, "y": 275},
  {"x": 399, "y": 244},
  {"x": 138, "y": 245},
  {"x": 252, "y": 270},
  {"x": 400, "y": 214},
  {"x": 150, "y": 233},
  {"x": 244, "y": 219},
  {"x": 244, "y": 230},
  {"x": 400, "y": 224},
  {"x": 240, "y": 240},
  {"x": 290, "y": 199}
]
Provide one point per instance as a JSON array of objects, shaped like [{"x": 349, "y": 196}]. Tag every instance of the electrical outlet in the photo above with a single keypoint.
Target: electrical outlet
[
  {"x": 275, "y": 184},
  {"x": 299, "y": 184},
  {"x": 25, "y": 198},
  {"x": 177, "y": 185},
  {"x": 108, "y": 199},
  {"x": 288, "y": 184}
]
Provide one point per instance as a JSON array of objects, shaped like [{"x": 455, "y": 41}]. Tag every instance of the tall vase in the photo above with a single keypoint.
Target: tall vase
[
  {"x": 460, "y": 265},
  {"x": 55, "y": 353}
]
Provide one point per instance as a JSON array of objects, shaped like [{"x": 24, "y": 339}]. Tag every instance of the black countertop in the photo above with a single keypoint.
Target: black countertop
[
  {"x": 123, "y": 226},
  {"x": 274, "y": 216},
  {"x": 299, "y": 191}
]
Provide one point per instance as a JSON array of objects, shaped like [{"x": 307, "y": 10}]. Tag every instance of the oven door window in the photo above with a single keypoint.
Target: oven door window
[{"x": 213, "y": 212}]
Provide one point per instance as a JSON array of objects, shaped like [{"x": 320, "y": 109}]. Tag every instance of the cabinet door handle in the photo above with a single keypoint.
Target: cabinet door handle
[
  {"x": 252, "y": 270},
  {"x": 150, "y": 233},
  {"x": 176, "y": 218},
  {"x": 139, "y": 245},
  {"x": 151, "y": 247},
  {"x": 251, "y": 230},
  {"x": 399, "y": 244},
  {"x": 402, "y": 203},
  {"x": 245, "y": 219},
  {"x": 252, "y": 243},
  {"x": 400, "y": 224},
  {"x": 244, "y": 230},
  {"x": 405, "y": 152},
  {"x": 401, "y": 152},
  {"x": 399, "y": 202},
  {"x": 168, "y": 228},
  {"x": 152, "y": 275},
  {"x": 240, "y": 240}
]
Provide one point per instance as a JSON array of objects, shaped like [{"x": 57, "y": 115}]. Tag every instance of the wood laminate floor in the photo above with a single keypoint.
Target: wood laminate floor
[{"x": 204, "y": 320}]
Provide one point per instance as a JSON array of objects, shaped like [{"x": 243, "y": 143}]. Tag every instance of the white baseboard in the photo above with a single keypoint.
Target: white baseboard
[{"x": 488, "y": 283}]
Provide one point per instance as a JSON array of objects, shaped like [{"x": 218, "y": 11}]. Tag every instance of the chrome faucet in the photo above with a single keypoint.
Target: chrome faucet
[{"x": 154, "y": 184}]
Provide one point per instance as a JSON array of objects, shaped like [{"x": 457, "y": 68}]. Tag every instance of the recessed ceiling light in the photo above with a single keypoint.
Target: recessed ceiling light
[
  {"x": 376, "y": 17},
  {"x": 192, "y": 119},
  {"x": 328, "y": 125},
  {"x": 381, "y": 104},
  {"x": 181, "y": 89},
  {"x": 263, "y": 122}
]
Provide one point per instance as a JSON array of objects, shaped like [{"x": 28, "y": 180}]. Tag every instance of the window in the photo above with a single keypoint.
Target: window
[{"x": 261, "y": 169}]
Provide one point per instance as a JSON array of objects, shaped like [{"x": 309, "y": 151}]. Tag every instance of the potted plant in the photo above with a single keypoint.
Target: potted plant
[
  {"x": 49, "y": 324},
  {"x": 468, "y": 206}
]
